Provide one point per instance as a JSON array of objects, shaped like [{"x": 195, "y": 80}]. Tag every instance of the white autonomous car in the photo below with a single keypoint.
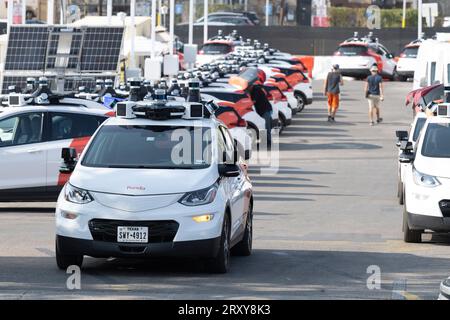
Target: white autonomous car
[{"x": 156, "y": 181}]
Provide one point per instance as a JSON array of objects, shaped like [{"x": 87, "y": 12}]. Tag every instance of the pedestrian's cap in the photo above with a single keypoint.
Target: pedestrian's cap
[
  {"x": 335, "y": 66},
  {"x": 374, "y": 68}
]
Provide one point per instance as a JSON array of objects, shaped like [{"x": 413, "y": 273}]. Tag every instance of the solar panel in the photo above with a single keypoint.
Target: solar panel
[
  {"x": 101, "y": 49},
  {"x": 27, "y": 48},
  {"x": 62, "y": 52}
]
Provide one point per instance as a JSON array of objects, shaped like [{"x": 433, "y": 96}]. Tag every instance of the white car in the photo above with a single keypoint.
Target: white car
[
  {"x": 444, "y": 292},
  {"x": 412, "y": 136},
  {"x": 427, "y": 180},
  {"x": 356, "y": 56},
  {"x": 243, "y": 104},
  {"x": 31, "y": 139},
  {"x": 148, "y": 188},
  {"x": 407, "y": 61},
  {"x": 213, "y": 50}
]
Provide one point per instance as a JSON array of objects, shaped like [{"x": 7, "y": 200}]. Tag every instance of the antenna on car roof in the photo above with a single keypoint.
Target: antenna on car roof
[
  {"x": 194, "y": 91},
  {"x": 135, "y": 88}
]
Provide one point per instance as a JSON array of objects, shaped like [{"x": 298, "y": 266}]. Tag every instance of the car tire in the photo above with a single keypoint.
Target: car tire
[
  {"x": 396, "y": 76},
  {"x": 301, "y": 102},
  {"x": 63, "y": 261},
  {"x": 400, "y": 194},
  {"x": 244, "y": 247},
  {"x": 221, "y": 263},
  {"x": 409, "y": 235},
  {"x": 282, "y": 122}
]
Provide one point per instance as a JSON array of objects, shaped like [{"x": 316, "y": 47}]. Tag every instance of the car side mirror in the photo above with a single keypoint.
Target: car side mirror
[
  {"x": 229, "y": 170},
  {"x": 69, "y": 156},
  {"x": 401, "y": 136},
  {"x": 407, "y": 155},
  {"x": 226, "y": 158}
]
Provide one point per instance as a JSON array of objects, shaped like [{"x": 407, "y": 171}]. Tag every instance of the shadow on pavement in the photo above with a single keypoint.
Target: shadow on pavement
[
  {"x": 288, "y": 274},
  {"x": 328, "y": 146}
]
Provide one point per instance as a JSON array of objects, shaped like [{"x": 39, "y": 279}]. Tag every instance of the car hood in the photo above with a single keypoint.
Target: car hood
[
  {"x": 207, "y": 58},
  {"x": 438, "y": 167},
  {"x": 140, "y": 182}
]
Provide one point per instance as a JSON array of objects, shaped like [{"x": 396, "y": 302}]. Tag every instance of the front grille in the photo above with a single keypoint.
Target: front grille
[
  {"x": 444, "y": 205},
  {"x": 158, "y": 231}
]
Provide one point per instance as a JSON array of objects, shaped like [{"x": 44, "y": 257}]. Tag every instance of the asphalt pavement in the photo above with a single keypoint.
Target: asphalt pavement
[{"x": 325, "y": 225}]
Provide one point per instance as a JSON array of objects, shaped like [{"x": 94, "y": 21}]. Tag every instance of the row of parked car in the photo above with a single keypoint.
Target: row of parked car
[
  {"x": 424, "y": 153},
  {"x": 121, "y": 189},
  {"x": 356, "y": 55}
]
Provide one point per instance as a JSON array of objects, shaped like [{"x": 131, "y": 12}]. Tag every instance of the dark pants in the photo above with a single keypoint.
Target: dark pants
[{"x": 268, "y": 118}]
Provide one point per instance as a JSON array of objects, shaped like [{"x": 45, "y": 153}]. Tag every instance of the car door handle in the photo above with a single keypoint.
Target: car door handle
[{"x": 34, "y": 150}]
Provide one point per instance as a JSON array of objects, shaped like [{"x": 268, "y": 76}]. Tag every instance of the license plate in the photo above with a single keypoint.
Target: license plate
[{"x": 132, "y": 234}]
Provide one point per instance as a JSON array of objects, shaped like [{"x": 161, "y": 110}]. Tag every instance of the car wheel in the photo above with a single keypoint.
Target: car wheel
[
  {"x": 63, "y": 261},
  {"x": 401, "y": 200},
  {"x": 244, "y": 247},
  {"x": 253, "y": 135},
  {"x": 300, "y": 103},
  {"x": 282, "y": 121},
  {"x": 409, "y": 235},
  {"x": 221, "y": 263},
  {"x": 294, "y": 110},
  {"x": 396, "y": 76}
]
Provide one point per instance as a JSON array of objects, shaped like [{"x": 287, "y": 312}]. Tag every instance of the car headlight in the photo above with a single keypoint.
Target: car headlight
[
  {"x": 425, "y": 180},
  {"x": 200, "y": 197},
  {"x": 77, "y": 195}
]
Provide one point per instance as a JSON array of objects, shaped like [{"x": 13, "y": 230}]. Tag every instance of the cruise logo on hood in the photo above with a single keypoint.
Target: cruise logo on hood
[{"x": 136, "y": 188}]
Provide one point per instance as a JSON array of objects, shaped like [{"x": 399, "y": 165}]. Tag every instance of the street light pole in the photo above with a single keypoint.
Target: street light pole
[
  {"x": 153, "y": 28},
  {"x": 267, "y": 13},
  {"x": 10, "y": 14},
  {"x": 205, "y": 21},
  {"x": 419, "y": 17},
  {"x": 132, "y": 33},
  {"x": 24, "y": 11},
  {"x": 171, "y": 24},
  {"x": 191, "y": 21},
  {"x": 109, "y": 11},
  {"x": 50, "y": 12},
  {"x": 404, "y": 15}
]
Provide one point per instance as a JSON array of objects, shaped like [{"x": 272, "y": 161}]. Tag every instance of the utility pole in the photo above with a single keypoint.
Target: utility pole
[{"x": 419, "y": 17}]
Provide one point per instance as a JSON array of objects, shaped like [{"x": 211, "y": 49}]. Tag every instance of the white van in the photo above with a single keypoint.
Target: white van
[{"x": 433, "y": 62}]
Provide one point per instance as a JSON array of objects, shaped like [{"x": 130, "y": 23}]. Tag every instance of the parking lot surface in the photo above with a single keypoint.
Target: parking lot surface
[{"x": 323, "y": 224}]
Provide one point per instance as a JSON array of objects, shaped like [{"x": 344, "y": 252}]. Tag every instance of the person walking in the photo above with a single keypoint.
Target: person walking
[
  {"x": 263, "y": 108},
  {"x": 331, "y": 89},
  {"x": 374, "y": 89}
]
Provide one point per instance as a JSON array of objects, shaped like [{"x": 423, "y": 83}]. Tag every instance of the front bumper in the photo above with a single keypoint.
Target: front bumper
[
  {"x": 106, "y": 208},
  {"x": 206, "y": 248},
  {"x": 357, "y": 72},
  {"x": 422, "y": 222},
  {"x": 406, "y": 73}
]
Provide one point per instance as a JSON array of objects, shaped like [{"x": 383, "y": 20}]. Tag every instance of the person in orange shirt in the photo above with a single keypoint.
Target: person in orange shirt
[{"x": 331, "y": 89}]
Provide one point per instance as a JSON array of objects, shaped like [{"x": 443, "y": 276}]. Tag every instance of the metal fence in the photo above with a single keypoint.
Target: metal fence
[{"x": 312, "y": 41}]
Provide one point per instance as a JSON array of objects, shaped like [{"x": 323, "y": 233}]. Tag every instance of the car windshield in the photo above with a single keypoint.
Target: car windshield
[
  {"x": 436, "y": 143},
  {"x": 410, "y": 52},
  {"x": 419, "y": 125},
  {"x": 352, "y": 50},
  {"x": 153, "y": 147},
  {"x": 229, "y": 19},
  {"x": 227, "y": 96},
  {"x": 216, "y": 48}
]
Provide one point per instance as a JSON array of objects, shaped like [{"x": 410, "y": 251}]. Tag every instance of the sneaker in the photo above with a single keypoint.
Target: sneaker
[
  {"x": 332, "y": 119},
  {"x": 372, "y": 123},
  {"x": 329, "y": 118},
  {"x": 379, "y": 120}
]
